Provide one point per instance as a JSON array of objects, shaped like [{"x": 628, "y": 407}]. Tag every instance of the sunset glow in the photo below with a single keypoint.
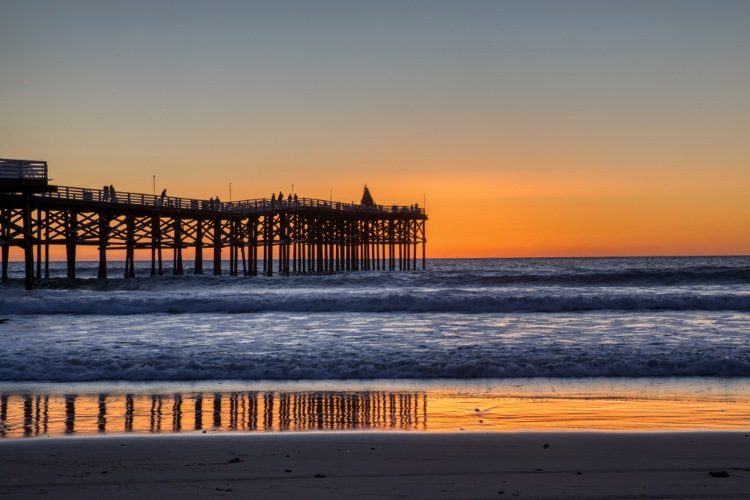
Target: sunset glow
[
  {"x": 511, "y": 407},
  {"x": 575, "y": 128}
]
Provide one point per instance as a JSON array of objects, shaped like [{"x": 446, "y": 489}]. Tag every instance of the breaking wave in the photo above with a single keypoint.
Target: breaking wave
[
  {"x": 332, "y": 365},
  {"x": 682, "y": 317},
  {"x": 425, "y": 301}
]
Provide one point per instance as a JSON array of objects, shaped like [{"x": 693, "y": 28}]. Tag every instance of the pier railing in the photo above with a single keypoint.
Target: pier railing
[
  {"x": 23, "y": 169},
  {"x": 238, "y": 207}
]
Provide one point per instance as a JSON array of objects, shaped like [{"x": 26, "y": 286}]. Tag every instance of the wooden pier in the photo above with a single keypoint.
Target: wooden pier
[{"x": 293, "y": 235}]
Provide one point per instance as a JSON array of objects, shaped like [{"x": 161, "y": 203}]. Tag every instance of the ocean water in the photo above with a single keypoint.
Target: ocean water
[
  {"x": 459, "y": 319},
  {"x": 475, "y": 344}
]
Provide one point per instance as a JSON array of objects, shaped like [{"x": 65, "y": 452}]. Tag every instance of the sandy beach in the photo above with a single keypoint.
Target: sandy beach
[{"x": 380, "y": 465}]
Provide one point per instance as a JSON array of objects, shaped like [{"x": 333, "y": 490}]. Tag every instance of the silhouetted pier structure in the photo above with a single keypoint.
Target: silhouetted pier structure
[{"x": 295, "y": 235}]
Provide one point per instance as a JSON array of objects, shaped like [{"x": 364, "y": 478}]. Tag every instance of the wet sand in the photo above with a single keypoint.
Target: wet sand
[
  {"x": 591, "y": 465},
  {"x": 633, "y": 405}
]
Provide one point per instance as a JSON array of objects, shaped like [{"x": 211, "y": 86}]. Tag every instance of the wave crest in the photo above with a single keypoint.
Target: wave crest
[{"x": 456, "y": 301}]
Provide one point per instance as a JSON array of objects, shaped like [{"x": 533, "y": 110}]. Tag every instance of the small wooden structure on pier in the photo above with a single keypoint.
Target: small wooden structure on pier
[{"x": 295, "y": 235}]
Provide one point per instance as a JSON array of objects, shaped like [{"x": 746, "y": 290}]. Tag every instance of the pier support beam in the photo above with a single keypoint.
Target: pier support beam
[
  {"x": 6, "y": 255},
  {"x": 130, "y": 247},
  {"x": 198, "y": 264},
  {"x": 71, "y": 238},
  {"x": 177, "y": 258},
  {"x": 38, "y": 244},
  {"x": 103, "y": 241},
  {"x": 268, "y": 245},
  {"x": 28, "y": 244},
  {"x": 4, "y": 242},
  {"x": 217, "y": 247},
  {"x": 156, "y": 246},
  {"x": 46, "y": 245}
]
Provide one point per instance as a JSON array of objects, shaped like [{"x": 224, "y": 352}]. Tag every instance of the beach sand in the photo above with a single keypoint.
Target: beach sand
[{"x": 692, "y": 465}]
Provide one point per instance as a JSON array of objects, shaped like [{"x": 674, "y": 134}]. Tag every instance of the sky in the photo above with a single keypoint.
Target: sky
[{"x": 527, "y": 128}]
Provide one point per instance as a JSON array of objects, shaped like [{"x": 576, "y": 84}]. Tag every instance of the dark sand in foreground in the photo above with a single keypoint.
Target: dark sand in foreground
[{"x": 380, "y": 465}]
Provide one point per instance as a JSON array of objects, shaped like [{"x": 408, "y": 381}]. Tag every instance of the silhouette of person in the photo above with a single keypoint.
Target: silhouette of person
[
  {"x": 273, "y": 199},
  {"x": 112, "y": 194}
]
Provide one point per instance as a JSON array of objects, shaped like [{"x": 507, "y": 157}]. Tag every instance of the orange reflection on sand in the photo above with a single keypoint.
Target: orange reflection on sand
[
  {"x": 528, "y": 406},
  {"x": 570, "y": 414}
]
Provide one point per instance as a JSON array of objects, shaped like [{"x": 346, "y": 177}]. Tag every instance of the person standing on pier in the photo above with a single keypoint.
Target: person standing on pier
[
  {"x": 163, "y": 195},
  {"x": 112, "y": 194},
  {"x": 105, "y": 195}
]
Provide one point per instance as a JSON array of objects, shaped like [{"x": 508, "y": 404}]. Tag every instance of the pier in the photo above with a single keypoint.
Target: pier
[{"x": 290, "y": 235}]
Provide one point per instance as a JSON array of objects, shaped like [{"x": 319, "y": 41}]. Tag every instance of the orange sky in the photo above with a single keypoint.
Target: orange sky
[{"x": 545, "y": 128}]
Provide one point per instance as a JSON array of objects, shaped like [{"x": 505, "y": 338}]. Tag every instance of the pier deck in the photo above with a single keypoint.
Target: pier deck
[{"x": 291, "y": 235}]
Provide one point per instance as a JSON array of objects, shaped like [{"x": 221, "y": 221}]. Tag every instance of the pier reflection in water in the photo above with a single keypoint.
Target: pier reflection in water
[
  {"x": 85, "y": 414},
  {"x": 29, "y": 410}
]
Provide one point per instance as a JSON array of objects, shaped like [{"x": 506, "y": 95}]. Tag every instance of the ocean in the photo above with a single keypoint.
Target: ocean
[{"x": 520, "y": 328}]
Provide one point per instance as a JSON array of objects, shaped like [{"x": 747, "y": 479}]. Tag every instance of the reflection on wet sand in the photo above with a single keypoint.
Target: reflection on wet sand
[
  {"x": 235, "y": 411},
  {"x": 528, "y": 405}
]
